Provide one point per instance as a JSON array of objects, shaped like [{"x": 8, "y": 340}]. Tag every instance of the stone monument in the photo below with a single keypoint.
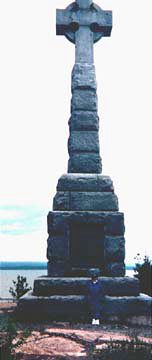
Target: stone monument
[{"x": 86, "y": 229}]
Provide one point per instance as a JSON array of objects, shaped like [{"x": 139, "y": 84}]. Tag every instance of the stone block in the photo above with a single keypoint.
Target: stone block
[
  {"x": 84, "y": 120},
  {"x": 115, "y": 224},
  {"x": 85, "y": 163},
  {"x": 83, "y": 76},
  {"x": 85, "y": 201},
  {"x": 93, "y": 201},
  {"x": 63, "y": 308},
  {"x": 85, "y": 182},
  {"x": 114, "y": 248},
  {"x": 47, "y": 286},
  {"x": 83, "y": 141},
  {"x": 120, "y": 286},
  {"x": 123, "y": 307},
  {"x": 57, "y": 222},
  {"x": 84, "y": 100},
  {"x": 74, "y": 307},
  {"x": 61, "y": 201},
  {"x": 58, "y": 247},
  {"x": 57, "y": 268},
  {"x": 115, "y": 269}
]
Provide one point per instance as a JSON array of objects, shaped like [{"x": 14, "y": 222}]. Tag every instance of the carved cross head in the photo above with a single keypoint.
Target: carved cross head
[
  {"x": 84, "y": 4},
  {"x": 83, "y": 13}
]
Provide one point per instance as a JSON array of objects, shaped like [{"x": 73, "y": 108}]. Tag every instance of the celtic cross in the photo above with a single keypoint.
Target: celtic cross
[{"x": 84, "y": 23}]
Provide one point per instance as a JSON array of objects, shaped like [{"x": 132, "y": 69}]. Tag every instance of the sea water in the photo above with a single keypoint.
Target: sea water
[{"x": 7, "y": 276}]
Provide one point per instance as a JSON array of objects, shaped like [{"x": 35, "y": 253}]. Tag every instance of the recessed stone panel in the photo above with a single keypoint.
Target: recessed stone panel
[{"x": 83, "y": 141}]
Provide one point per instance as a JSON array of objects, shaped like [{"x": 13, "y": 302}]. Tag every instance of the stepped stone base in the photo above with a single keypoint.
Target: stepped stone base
[
  {"x": 65, "y": 299},
  {"x": 74, "y": 308},
  {"x": 118, "y": 286}
]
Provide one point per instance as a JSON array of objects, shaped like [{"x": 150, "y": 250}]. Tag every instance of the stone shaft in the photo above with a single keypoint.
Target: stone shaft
[
  {"x": 83, "y": 143},
  {"x": 84, "y": 45}
]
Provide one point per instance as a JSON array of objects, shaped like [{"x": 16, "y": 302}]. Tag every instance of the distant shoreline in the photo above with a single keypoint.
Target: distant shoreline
[
  {"x": 23, "y": 265},
  {"x": 18, "y": 265}
]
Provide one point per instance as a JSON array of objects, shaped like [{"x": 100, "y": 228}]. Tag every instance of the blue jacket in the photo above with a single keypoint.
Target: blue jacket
[{"x": 95, "y": 295}]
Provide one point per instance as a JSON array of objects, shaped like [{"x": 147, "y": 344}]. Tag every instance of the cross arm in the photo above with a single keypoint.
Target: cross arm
[
  {"x": 102, "y": 23},
  {"x": 64, "y": 20}
]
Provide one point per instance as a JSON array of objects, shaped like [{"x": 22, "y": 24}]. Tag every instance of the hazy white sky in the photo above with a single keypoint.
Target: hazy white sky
[{"x": 35, "y": 76}]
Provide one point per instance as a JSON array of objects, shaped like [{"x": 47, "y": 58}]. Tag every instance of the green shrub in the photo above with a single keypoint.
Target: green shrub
[
  {"x": 143, "y": 272},
  {"x": 20, "y": 287}
]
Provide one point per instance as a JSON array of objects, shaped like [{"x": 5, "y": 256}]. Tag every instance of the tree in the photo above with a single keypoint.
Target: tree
[
  {"x": 143, "y": 272},
  {"x": 20, "y": 287}
]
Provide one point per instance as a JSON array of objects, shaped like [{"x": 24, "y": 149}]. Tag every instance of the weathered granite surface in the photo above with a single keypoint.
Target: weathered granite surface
[
  {"x": 84, "y": 100},
  {"x": 83, "y": 141},
  {"x": 114, "y": 248},
  {"x": 57, "y": 267},
  {"x": 121, "y": 286},
  {"x": 58, "y": 247},
  {"x": 84, "y": 76},
  {"x": 85, "y": 201},
  {"x": 115, "y": 268},
  {"x": 58, "y": 221},
  {"x": 85, "y": 182},
  {"x": 86, "y": 163},
  {"x": 74, "y": 307},
  {"x": 84, "y": 120}
]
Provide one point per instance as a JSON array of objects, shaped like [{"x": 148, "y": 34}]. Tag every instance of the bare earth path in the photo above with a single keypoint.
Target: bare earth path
[{"x": 68, "y": 341}]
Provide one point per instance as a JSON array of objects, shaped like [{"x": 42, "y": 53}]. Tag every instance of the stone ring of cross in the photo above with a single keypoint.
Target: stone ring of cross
[{"x": 84, "y": 14}]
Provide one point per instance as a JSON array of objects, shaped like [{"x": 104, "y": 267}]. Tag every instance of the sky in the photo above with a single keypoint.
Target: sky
[{"x": 35, "y": 80}]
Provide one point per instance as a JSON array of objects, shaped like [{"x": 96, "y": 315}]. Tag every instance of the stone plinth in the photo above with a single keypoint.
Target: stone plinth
[
  {"x": 83, "y": 142},
  {"x": 85, "y": 220},
  {"x": 74, "y": 307},
  {"x": 121, "y": 286}
]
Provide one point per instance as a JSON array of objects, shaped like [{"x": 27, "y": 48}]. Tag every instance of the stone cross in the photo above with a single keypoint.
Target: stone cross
[{"x": 84, "y": 23}]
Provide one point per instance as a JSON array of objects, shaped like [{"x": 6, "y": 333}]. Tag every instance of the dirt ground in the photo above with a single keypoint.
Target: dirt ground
[{"x": 46, "y": 341}]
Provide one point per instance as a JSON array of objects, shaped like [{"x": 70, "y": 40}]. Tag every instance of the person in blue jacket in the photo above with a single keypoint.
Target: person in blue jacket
[{"x": 94, "y": 296}]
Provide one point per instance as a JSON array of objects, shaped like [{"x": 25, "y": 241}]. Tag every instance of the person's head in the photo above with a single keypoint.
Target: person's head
[{"x": 94, "y": 277}]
